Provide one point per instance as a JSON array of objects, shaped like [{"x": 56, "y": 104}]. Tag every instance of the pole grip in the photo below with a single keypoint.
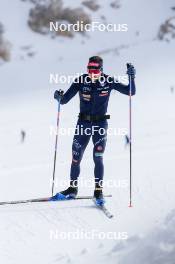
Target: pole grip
[{"x": 128, "y": 65}]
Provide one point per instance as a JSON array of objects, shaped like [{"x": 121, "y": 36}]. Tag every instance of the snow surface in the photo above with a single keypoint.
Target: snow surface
[{"x": 26, "y": 169}]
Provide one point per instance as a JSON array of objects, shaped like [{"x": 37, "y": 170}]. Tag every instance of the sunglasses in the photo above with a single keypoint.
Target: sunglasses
[{"x": 94, "y": 71}]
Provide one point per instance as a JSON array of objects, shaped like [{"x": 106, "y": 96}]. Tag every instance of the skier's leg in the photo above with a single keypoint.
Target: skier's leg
[
  {"x": 80, "y": 142},
  {"x": 99, "y": 140}
]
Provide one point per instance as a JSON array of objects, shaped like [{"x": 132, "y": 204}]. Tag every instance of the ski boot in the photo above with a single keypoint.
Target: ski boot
[
  {"x": 68, "y": 194},
  {"x": 98, "y": 197}
]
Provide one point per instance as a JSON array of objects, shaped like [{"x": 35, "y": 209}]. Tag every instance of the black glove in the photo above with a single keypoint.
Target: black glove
[
  {"x": 58, "y": 94},
  {"x": 131, "y": 70}
]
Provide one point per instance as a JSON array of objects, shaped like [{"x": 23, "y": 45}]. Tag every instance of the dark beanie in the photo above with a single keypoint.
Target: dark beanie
[{"x": 97, "y": 60}]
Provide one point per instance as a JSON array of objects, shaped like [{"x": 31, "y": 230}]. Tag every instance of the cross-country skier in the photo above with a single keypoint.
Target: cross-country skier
[
  {"x": 172, "y": 89},
  {"x": 94, "y": 90},
  {"x": 23, "y": 135}
]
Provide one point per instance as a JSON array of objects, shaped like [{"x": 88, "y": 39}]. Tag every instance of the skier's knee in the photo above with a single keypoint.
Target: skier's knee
[
  {"x": 75, "y": 162},
  {"x": 76, "y": 157},
  {"x": 98, "y": 152}
]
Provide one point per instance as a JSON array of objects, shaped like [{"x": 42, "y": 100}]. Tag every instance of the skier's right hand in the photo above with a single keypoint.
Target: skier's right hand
[
  {"x": 58, "y": 94},
  {"x": 131, "y": 70}
]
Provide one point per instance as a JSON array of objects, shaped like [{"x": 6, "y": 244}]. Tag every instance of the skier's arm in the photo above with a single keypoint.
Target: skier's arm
[
  {"x": 71, "y": 92},
  {"x": 124, "y": 89}
]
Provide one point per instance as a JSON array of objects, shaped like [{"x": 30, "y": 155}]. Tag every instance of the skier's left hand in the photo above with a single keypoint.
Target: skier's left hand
[
  {"x": 58, "y": 94},
  {"x": 131, "y": 70}
]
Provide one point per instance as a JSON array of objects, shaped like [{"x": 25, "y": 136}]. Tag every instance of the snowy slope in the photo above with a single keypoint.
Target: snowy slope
[{"x": 26, "y": 170}]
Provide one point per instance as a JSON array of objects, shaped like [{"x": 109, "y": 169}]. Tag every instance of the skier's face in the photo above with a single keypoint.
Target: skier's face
[
  {"x": 94, "y": 71},
  {"x": 94, "y": 74}
]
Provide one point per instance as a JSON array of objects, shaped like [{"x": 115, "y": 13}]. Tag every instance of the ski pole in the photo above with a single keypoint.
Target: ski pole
[
  {"x": 56, "y": 143},
  {"x": 130, "y": 139}
]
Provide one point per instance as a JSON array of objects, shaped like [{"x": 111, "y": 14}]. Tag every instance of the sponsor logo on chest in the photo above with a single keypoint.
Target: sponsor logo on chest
[
  {"x": 104, "y": 93},
  {"x": 86, "y": 89},
  {"x": 86, "y": 97},
  {"x": 103, "y": 88}
]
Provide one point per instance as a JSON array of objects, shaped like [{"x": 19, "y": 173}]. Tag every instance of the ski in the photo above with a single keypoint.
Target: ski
[
  {"x": 104, "y": 209},
  {"x": 47, "y": 199}
]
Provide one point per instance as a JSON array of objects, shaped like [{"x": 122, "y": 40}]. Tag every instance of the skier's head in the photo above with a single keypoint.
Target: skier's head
[{"x": 95, "y": 67}]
